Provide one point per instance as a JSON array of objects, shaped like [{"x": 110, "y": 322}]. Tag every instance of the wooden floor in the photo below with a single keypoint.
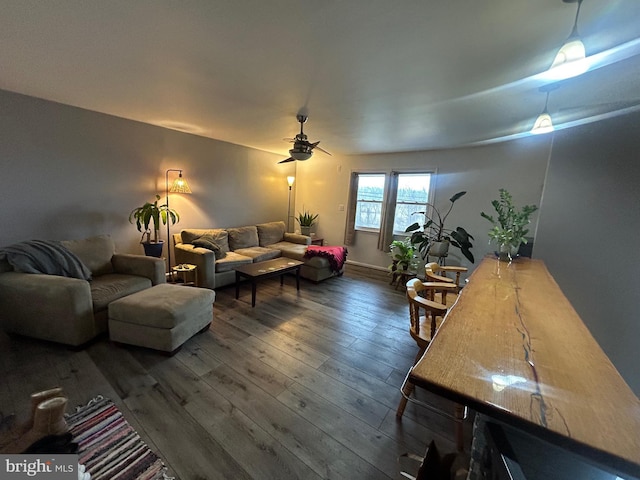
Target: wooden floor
[{"x": 303, "y": 386}]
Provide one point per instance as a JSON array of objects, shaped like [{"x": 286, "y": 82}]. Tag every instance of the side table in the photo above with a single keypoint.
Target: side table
[
  {"x": 317, "y": 241},
  {"x": 185, "y": 270}
]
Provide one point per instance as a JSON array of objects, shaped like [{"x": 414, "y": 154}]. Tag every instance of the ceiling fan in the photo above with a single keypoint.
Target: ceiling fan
[{"x": 302, "y": 148}]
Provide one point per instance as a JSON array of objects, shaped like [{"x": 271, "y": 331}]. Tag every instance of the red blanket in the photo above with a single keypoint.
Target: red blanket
[{"x": 336, "y": 255}]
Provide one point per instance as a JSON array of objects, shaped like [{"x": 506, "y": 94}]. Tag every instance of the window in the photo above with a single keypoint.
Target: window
[
  {"x": 369, "y": 201},
  {"x": 386, "y": 203},
  {"x": 413, "y": 196}
]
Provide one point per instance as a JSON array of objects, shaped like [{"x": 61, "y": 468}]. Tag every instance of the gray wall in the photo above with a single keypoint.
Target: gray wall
[
  {"x": 588, "y": 232},
  {"x": 70, "y": 173}
]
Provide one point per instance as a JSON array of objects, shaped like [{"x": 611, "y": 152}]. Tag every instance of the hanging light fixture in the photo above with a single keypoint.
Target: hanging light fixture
[
  {"x": 570, "y": 60},
  {"x": 543, "y": 123}
]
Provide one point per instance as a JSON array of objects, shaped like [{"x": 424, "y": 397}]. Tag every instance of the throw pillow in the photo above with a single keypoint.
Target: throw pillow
[{"x": 209, "y": 242}]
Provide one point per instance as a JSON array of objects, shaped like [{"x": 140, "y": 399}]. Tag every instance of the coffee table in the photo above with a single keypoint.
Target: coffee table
[{"x": 255, "y": 272}]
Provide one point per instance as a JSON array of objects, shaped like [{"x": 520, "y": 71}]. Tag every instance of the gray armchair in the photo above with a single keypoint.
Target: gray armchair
[{"x": 71, "y": 310}]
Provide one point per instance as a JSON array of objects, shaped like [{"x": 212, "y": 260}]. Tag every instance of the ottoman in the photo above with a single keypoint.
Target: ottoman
[{"x": 162, "y": 317}]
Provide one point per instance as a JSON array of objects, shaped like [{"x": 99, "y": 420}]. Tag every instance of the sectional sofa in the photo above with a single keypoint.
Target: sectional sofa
[{"x": 218, "y": 251}]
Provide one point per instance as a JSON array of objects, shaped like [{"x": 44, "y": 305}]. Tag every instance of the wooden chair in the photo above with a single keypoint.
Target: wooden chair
[
  {"x": 441, "y": 273},
  {"x": 425, "y": 317},
  {"x": 440, "y": 292}
]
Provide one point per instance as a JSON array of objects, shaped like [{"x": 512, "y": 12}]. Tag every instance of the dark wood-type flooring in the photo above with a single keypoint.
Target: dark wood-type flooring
[{"x": 303, "y": 386}]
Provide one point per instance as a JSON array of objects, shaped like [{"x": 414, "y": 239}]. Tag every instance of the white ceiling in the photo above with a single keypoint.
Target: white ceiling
[{"x": 373, "y": 75}]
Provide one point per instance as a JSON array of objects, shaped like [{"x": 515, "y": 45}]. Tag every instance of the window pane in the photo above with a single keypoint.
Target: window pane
[
  {"x": 413, "y": 195},
  {"x": 369, "y": 207}
]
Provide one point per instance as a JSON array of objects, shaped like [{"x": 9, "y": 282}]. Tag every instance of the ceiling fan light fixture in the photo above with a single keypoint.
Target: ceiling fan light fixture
[{"x": 298, "y": 155}]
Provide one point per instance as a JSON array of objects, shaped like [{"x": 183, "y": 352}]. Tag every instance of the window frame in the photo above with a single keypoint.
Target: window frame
[
  {"x": 430, "y": 195},
  {"x": 385, "y": 176}
]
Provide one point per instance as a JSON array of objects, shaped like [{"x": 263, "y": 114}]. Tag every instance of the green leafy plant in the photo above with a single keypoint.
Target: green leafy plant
[
  {"x": 306, "y": 219},
  {"x": 510, "y": 225},
  {"x": 434, "y": 230},
  {"x": 402, "y": 252},
  {"x": 150, "y": 213}
]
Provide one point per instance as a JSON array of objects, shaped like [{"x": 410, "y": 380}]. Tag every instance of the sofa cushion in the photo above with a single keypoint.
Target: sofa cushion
[
  {"x": 259, "y": 254},
  {"x": 231, "y": 261},
  {"x": 112, "y": 286},
  {"x": 290, "y": 250},
  {"x": 94, "y": 252},
  {"x": 243, "y": 237},
  {"x": 269, "y": 233},
  {"x": 209, "y": 242}
]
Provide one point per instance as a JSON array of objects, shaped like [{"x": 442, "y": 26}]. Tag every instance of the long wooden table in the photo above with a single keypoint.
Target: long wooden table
[{"x": 513, "y": 348}]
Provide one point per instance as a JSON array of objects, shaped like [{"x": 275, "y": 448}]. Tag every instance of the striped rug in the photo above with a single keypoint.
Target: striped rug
[{"x": 109, "y": 447}]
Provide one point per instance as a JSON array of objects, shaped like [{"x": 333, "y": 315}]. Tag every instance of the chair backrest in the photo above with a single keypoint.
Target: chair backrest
[
  {"x": 438, "y": 273},
  {"x": 419, "y": 304},
  {"x": 432, "y": 272}
]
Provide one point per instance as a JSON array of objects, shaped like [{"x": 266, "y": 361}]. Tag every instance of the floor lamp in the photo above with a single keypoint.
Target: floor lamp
[
  {"x": 290, "y": 180},
  {"x": 179, "y": 185}
]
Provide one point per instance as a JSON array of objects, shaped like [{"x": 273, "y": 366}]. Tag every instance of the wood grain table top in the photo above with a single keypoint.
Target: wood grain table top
[
  {"x": 277, "y": 266},
  {"x": 514, "y": 348}
]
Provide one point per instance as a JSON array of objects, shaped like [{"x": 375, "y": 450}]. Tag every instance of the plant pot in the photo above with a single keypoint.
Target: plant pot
[
  {"x": 153, "y": 249},
  {"x": 439, "y": 249},
  {"x": 507, "y": 252},
  {"x": 305, "y": 231}
]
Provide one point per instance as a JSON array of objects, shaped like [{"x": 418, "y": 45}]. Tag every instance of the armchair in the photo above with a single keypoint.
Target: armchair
[{"x": 68, "y": 310}]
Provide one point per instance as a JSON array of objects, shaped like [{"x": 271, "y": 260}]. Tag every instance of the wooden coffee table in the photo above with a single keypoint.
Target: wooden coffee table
[{"x": 267, "y": 269}]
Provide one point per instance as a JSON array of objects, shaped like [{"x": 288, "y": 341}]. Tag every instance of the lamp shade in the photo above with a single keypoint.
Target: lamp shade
[
  {"x": 290, "y": 180},
  {"x": 570, "y": 60},
  {"x": 180, "y": 185},
  {"x": 543, "y": 124}
]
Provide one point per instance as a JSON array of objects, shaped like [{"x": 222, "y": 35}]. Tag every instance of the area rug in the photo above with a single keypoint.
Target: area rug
[{"x": 109, "y": 447}]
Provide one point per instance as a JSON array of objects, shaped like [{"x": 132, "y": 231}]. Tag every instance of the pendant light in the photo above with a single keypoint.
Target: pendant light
[
  {"x": 570, "y": 60},
  {"x": 543, "y": 123}
]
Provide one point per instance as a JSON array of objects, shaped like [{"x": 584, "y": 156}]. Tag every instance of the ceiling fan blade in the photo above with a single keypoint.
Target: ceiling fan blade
[
  {"x": 290, "y": 159},
  {"x": 315, "y": 145},
  {"x": 323, "y": 151}
]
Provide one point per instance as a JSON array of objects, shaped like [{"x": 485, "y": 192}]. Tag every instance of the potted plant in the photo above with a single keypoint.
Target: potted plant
[
  {"x": 152, "y": 213},
  {"x": 433, "y": 238},
  {"x": 510, "y": 226},
  {"x": 402, "y": 253},
  {"x": 306, "y": 220}
]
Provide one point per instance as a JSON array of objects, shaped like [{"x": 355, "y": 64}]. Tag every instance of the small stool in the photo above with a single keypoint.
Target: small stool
[
  {"x": 162, "y": 317},
  {"x": 185, "y": 268}
]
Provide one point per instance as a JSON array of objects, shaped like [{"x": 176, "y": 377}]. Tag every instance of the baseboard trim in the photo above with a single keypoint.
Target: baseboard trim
[{"x": 366, "y": 265}]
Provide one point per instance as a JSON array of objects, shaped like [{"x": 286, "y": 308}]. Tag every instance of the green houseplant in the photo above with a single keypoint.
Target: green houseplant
[
  {"x": 306, "y": 220},
  {"x": 402, "y": 252},
  {"x": 433, "y": 238},
  {"x": 510, "y": 225},
  {"x": 152, "y": 213}
]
